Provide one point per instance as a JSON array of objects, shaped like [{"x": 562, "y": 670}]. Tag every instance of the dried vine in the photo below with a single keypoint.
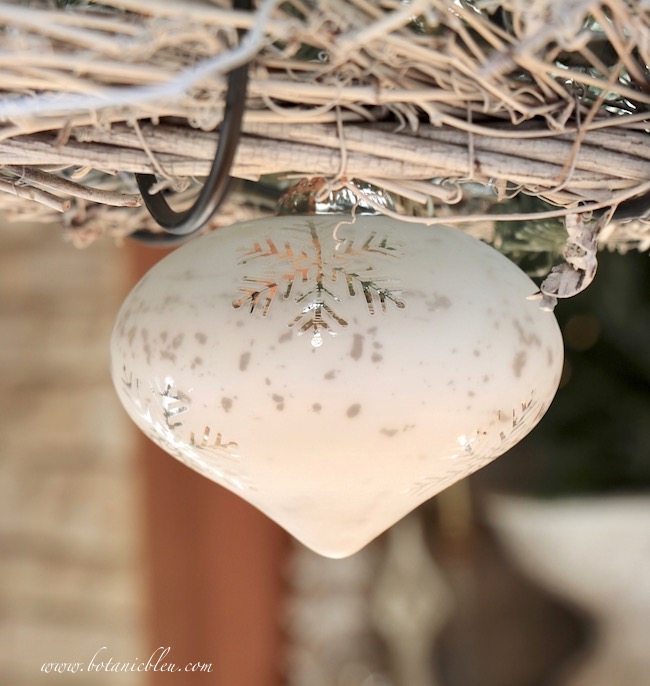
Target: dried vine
[{"x": 439, "y": 102}]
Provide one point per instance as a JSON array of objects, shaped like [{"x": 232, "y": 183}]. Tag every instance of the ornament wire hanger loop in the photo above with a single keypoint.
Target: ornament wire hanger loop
[{"x": 178, "y": 226}]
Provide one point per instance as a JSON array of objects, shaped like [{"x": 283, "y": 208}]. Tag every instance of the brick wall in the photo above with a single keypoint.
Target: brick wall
[{"x": 70, "y": 568}]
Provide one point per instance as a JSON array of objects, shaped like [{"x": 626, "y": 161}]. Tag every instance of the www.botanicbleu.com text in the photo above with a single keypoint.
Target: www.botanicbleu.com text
[{"x": 101, "y": 661}]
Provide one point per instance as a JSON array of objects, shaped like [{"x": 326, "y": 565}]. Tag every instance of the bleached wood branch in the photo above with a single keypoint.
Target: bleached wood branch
[
  {"x": 612, "y": 160},
  {"x": 420, "y": 98}
]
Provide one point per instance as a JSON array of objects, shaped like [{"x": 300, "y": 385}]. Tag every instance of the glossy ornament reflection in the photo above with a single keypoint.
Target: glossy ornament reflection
[{"x": 335, "y": 372}]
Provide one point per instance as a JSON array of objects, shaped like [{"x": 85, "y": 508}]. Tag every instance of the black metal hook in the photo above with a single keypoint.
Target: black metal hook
[{"x": 179, "y": 226}]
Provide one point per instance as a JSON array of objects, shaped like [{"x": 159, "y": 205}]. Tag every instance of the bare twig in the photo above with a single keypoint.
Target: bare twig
[
  {"x": 35, "y": 194},
  {"x": 70, "y": 188}
]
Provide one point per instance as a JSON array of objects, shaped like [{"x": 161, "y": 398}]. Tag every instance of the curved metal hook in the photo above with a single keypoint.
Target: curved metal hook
[{"x": 178, "y": 226}]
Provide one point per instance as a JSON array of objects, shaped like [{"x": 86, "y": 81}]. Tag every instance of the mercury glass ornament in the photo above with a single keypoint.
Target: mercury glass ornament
[{"x": 335, "y": 372}]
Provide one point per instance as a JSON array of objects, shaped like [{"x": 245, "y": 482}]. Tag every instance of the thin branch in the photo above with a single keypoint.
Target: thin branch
[
  {"x": 45, "y": 105},
  {"x": 36, "y": 195},
  {"x": 66, "y": 187}
]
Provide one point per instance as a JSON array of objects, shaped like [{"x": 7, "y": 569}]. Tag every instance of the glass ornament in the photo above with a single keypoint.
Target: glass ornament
[{"x": 334, "y": 371}]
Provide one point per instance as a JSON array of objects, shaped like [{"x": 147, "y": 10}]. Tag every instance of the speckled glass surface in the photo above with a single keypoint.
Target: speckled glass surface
[{"x": 335, "y": 373}]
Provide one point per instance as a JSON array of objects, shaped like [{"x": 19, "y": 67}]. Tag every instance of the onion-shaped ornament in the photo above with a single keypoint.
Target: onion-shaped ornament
[{"x": 334, "y": 371}]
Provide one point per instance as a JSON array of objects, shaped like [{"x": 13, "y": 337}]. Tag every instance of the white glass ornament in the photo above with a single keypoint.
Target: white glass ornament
[{"x": 335, "y": 372}]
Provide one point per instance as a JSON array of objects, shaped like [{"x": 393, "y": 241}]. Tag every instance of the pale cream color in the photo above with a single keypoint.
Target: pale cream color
[{"x": 334, "y": 372}]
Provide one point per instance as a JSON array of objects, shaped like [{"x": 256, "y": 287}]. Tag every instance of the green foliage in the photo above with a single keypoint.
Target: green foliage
[{"x": 535, "y": 246}]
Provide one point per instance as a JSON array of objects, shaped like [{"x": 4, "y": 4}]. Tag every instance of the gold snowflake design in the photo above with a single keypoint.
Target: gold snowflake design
[
  {"x": 165, "y": 410},
  {"x": 473, "y": 458},
  {"x": 307, "y": 274}
]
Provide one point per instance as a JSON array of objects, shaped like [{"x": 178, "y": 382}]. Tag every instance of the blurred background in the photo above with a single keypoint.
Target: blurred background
[{"x": 535, "y": 571}]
